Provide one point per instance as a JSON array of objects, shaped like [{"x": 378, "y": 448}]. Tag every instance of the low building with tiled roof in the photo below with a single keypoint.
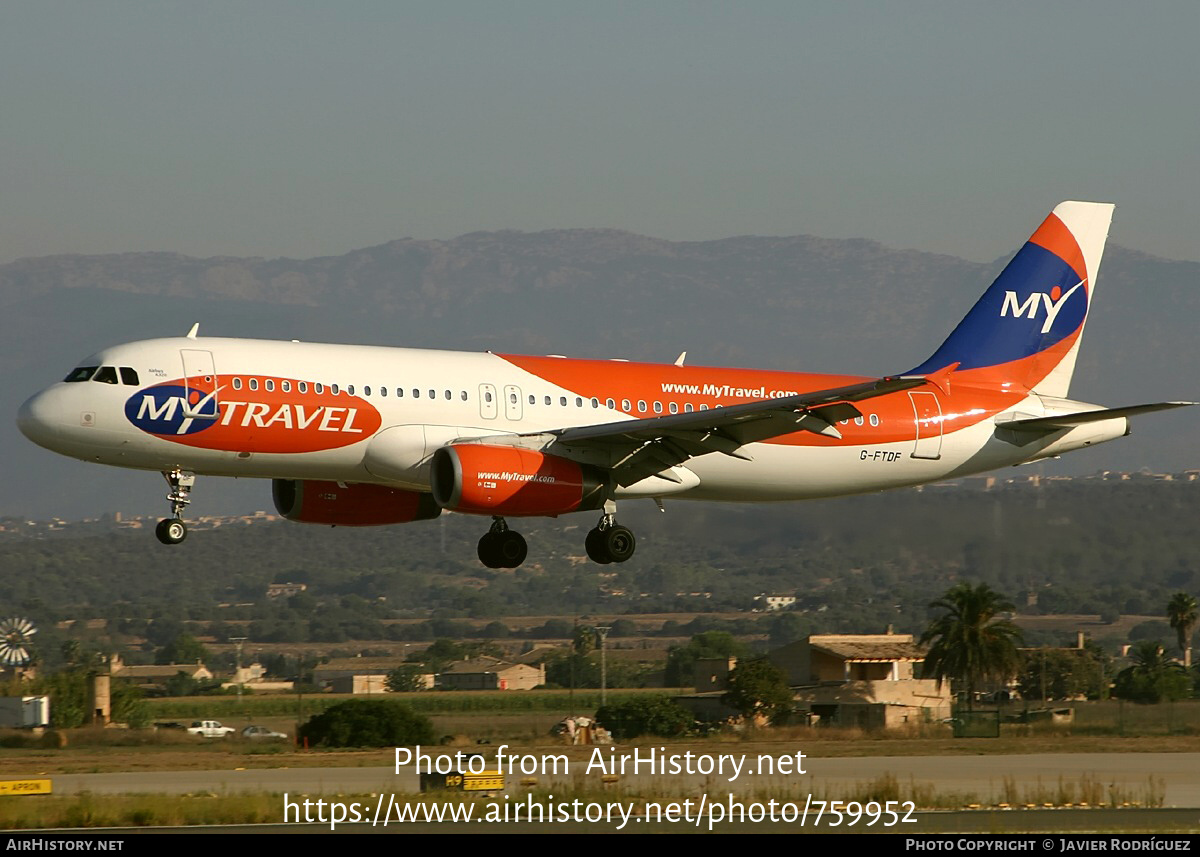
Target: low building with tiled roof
[{"x": 486, "y": 673}]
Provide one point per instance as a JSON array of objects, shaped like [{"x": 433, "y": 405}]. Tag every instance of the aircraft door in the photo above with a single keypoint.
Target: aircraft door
[
  {"x": 928, "y": 420},
  {"x": 200, "y": 382},
  {"x": 488, "y": 407},
  {"x": 512, "y": 402}
]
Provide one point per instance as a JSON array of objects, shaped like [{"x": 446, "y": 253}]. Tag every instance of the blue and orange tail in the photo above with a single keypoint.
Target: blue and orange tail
[{"x": 1026, "y": 329}]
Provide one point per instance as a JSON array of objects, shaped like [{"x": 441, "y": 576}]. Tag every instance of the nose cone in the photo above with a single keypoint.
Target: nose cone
[{"x": 36, "y": 419}]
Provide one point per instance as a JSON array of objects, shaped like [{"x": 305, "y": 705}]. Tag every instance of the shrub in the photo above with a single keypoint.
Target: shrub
[
  {"x": 646, "y": 715},
  {"x": 368, "y": 723}
]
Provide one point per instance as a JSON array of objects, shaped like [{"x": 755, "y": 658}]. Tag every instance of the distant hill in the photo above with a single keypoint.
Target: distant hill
[{"x": 780, "y": 302}]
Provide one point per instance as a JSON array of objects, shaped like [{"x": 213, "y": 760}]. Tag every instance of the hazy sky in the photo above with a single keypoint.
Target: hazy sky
[{"x": 306, "y": 129}]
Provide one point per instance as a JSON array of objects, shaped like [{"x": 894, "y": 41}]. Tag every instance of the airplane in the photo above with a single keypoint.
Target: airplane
[{"x": 355, "y": 435}]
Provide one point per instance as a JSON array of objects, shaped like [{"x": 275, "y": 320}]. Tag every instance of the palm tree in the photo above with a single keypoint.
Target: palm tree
[
  {"x": 1181, "y": 612},
  {"x": 1152, "y": 676},
  {"x": 970, "y": 641}
]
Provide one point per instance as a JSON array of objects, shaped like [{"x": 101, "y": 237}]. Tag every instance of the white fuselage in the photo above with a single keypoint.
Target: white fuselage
[{"x": 376, "y": 415}]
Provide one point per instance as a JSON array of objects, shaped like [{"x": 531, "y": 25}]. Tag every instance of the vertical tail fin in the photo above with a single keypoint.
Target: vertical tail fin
[{"x": 1027, "y": 327}]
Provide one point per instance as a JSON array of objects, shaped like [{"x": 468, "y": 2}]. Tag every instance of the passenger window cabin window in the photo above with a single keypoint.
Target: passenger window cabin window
[
  {"x": 874, "y": 420},
  {"x": 449, "y": 395},
  {"x": 106, "y": 375},
  {"x": 269, "y": 385},
  {"x": 383, "y": 392},
  {"x": 512, "y": 397},
  {"x": 83, "y": 373},
  {"x": 237, "y": 383},
  {"x": 595, "y": 403},
  {"x": 463, "y": 394},
  {"x": 562, "y": 401},
  {"x": 547, "y": 400},
  {"x": 704, "y": 407},
  {"x": 253, "y": 383},
  {"x": 625, "y": 406},
  {"x": 658, "y": 407},
  {"x": 858, "y": 421},
  {"x": 433, "y": 394},
  {"x": 286, "y": 386},
  {"x": 333, "y": 388},
  {"x": 416, "y": 393},
  {"x": 641, "y": 406},
  {"x": 687, "y": 408},
  {"x": 610, "y": 404},
  {"x": 578, "y": 401},
  {"x": 532, "y": 399},
  {"x": 302, "y": 386},
  {"x": 319, "y": 387},
  {"x": 487, "y": 397},
  {"x": 129, "y": 377},
  {"x": 399, "y": 392},
  {"x": 674, "y": 407},
  {"x": 350, "y": 389}
]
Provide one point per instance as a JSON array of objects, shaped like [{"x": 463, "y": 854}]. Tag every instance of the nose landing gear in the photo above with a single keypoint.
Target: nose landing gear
[
  {"x": 501, "y": 547},
  {"x": 172, "y": 531}
]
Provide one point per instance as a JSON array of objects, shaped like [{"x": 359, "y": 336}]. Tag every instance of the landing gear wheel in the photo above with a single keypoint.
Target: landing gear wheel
[
  {"x": 511, "y": 549},
  {"x": 171, "y": 531},
  {"x": 501, "y": 547},
  {"x": 619, "y": 543},
  {"x": 489, "y": 550},
  {"x": 596, "y": 546}
]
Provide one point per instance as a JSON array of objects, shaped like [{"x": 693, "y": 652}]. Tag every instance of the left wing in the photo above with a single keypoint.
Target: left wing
[
  {"x": 636, "y": 449},
  {"x": 1064, "y": 421}
]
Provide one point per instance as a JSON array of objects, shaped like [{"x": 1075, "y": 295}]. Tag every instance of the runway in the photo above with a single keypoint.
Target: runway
[{"x": 1174, "y": 776}]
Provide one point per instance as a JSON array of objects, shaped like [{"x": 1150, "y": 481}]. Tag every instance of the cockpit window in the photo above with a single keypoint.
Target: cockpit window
[
  {"x": 83, "y": 373},
  {"x": 106, "y": 375},
  {"x": 129, "y": 377}
]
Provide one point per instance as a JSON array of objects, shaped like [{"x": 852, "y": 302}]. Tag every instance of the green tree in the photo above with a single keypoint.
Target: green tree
[
  {"x": 368, "y": 723},
  {"x": 405, "y": 678},
  {"x": 971, "y": 643},
  {"x": 681, "y": 660},
  {"x": 1152, "y": 677},
  {"x": 1053, "y": 673},
  {"x": 182, "y": 649},
  {"x": 759, "y": 688},
  {"x": 1181, "y": 613},
  {"x": 645, "y": 715}
]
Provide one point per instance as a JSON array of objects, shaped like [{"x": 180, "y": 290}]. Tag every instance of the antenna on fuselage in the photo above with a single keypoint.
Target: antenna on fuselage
[
  {"x": 682, "y": 356},
  {"x": 191, "y": 334}
]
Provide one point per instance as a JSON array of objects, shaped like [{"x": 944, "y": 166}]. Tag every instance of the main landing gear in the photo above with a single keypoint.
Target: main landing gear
[
  {"x": 608, "y": 541},
  {"x": 171, "y": 531},
  {"x": 501, "y": 547}
]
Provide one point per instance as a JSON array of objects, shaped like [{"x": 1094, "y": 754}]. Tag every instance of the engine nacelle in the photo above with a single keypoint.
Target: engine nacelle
[
  {"x": 481, "y": 479},
  {"x": 314, "y": 502}
]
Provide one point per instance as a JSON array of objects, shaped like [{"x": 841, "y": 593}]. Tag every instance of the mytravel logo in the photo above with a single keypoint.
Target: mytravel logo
[
  {"x": 170, "y": 409},
  {"x": 264, "y": 420},
  {"x": 1053, "y": 301}
]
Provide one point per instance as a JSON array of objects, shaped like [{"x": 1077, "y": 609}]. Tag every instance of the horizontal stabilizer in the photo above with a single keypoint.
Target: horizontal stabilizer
[{"x": 1062, "y": 421}]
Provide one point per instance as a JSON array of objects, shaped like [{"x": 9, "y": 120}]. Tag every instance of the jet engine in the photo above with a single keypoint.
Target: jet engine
[
  {"x": 314, "y": 502},
  {"x": 482, "y": 479}
]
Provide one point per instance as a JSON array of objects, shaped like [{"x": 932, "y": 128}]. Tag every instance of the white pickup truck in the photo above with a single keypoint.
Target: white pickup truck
[{"x": 210, "y": 729}]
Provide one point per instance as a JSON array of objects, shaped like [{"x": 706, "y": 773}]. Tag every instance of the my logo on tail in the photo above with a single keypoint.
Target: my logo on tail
[{"x": 1053, "y": 302}]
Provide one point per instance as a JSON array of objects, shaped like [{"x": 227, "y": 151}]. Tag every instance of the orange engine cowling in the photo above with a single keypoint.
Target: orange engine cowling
[
  {"x": 503, "y": 480},
  {"x": 314, "y": 502}
]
